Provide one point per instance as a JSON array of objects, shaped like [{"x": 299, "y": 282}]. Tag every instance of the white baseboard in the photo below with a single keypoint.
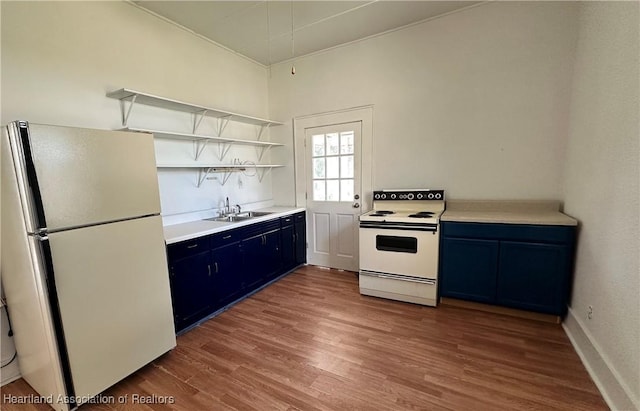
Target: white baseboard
[
  {"x": 10, "y": 373},
  {"x": 616, "y": 393}
]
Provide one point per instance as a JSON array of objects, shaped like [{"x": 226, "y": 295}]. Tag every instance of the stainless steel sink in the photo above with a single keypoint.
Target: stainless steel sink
[
  {"x": 247, "y": 215},
  {"x": 252, "y": 214},
  {"x": 229, "y": 218}
]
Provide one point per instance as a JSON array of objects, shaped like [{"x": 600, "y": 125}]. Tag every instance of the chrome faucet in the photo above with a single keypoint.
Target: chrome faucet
[
  {"x": 238, "y": 208},
  {"x": 227, "y": 210}
]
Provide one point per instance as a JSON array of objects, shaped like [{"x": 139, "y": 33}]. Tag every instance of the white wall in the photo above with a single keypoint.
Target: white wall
[
  {"x": 601, "y": 190},
  {"x": 60, "y": 58},
  {"x": 474, "y": 102}
]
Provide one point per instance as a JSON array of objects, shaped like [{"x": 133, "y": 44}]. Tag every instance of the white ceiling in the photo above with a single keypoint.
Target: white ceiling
[{"x": 261, "y": 30}]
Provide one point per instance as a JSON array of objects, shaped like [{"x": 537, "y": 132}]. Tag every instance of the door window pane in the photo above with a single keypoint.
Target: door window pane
[
  {"x": 346, "y": 142},
  {"x": 333, "y": 190},
  {"x": 333, "y": 167},
  {"x": 318, "y": 190},
  {"x": 318, "y": 145},
  {"x": 346, "y": 190},
  {"x": 319, "y": 168},
  {"x": 333, "y": 144},
  {"x": 346, "y": 166}
]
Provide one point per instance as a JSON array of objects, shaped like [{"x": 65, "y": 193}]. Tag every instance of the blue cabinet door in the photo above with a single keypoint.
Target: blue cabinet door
[
  {"x": 301, "y": 238},
  {"x": 272, "y": 254},
  {"x": 469, "y": 269},
  {"x": 226, "y": 262},
  {"x": 288, "y": 240},
  {"x": 254, "y": 270},
  {"x": 533, "y": 276},
  {"x": 191, "y": 288}
]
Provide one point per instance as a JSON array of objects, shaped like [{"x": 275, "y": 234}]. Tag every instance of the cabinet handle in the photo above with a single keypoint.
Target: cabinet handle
[
  {"x": 226, "y": 237},
  {"x": 192, "y": 246},
  {"x": 216, "y": 266},
  {"x": 209, "y": 269}
]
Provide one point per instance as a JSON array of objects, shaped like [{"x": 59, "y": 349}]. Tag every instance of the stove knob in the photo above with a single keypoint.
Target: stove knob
[
  {"x": 393, "y": 196},
  {"x": 383, "y": 196},
  {"x": 377, "y": 196},
  {"x": 430, "y": 195},
  {"x": 419, "y": 196},
  {"x": 438, "y": 196},
  {"x": 410, "y": 196}
]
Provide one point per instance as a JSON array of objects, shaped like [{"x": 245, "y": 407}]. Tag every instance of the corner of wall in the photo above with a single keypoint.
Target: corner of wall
[{"x": 617, "y": 395}]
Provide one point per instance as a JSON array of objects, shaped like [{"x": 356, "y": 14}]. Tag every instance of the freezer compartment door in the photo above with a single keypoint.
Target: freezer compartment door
[
  {"x": 112, "y": 285},
  {"x": 91, "y": 176}
]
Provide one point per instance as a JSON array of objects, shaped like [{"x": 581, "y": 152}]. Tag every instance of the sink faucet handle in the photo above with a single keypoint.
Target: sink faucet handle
[{"x": 239, "y": 208}]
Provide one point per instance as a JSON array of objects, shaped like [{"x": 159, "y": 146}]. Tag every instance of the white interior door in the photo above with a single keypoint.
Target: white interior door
[{"x": 333, "y": 191}]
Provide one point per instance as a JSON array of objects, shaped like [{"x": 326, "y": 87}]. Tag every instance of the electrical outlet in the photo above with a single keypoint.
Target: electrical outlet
[{"x": 590, "y": 312}]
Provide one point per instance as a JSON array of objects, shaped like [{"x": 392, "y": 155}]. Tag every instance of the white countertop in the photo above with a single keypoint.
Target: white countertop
[
  {"x": 507, "y": 212},
  {"x": 186, "y": 231}
]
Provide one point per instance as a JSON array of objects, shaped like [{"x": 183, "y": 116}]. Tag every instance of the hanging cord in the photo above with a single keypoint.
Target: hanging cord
[
  {"x": 10, "y": 334},
  {"x": 293, "y": 53},
  {"x": 250, "y": 164},
  {"x": 268, "y": 39}
]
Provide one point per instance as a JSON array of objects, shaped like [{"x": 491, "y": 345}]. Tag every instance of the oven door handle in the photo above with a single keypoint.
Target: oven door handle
[{"x": 399, "y": 277}]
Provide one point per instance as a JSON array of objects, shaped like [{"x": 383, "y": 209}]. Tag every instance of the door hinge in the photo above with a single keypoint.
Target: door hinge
[{"x": 305, "y": 196}]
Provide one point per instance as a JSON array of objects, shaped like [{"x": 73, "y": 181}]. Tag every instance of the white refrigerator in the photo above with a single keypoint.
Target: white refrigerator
[{"x": 84, "y": 265}]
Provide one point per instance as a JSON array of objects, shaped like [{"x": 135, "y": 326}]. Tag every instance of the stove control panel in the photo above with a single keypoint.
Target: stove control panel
[{"x": 404, "y": 195}]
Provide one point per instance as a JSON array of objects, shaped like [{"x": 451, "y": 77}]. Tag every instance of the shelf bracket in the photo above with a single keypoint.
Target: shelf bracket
[
  {"x": 223, "y": 149},
  {"x": 222, "y": 124},
  {"x": 262, "y": 172},
  {"x": 263, "y": 127},
  {"x": 197, "y": 119},
  {"x": 127, "y": 112},
  {"x": 262, "y": 151},
  {"x": 225, "y": 178},
  {"x": 199, "y": 146},
  {"x": 202, "y": 175}
]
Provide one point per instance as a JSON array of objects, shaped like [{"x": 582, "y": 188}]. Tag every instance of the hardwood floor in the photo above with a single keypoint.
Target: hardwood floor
[{"x": 312, "y": 342}]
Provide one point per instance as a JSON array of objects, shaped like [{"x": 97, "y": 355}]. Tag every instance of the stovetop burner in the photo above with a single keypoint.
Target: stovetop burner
[
  {"x": 381, "y": 213},
  {"x": 422, "y": 214}
]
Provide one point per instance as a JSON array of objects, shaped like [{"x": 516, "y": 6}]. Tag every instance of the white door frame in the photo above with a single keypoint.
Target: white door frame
[{"x": 362, "y": 114}]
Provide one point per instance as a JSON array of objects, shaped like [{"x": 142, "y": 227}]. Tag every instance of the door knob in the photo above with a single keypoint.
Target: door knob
[
  {"x": 356, "y": 197},
  {"x": 356, "y": 205}
]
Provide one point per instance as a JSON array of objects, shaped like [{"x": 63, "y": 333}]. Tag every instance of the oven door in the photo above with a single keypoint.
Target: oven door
[{"x": 397, "y": 250}]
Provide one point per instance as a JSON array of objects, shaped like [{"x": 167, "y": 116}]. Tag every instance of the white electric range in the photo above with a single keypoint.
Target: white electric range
[{"x": 399, "y": 245}]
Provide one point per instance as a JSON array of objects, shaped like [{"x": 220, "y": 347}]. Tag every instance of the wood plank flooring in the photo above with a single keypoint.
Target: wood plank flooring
[{"x": 312, "y": 342}]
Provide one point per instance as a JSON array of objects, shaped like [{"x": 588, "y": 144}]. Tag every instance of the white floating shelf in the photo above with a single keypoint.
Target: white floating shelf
[
  {"x": 205, "y": 169},
  {"x": 197, "y": 137},
  {"x": 219, "y": 166},
  {"x": 139, "y": 97}
]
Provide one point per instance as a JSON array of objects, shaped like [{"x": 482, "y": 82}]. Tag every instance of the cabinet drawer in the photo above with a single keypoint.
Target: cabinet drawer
[
  {"x": 260, "y": 228},
  {"x": 188, "y": 248},
  {"x": 299, "y": 216},
  {"x": 512, "y": 232},
  {"x": 286, "y": 221},
  {"x": 226, "y": 237}
]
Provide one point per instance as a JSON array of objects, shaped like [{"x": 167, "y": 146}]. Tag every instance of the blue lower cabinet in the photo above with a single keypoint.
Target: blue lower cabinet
[
  {"x": 288, "y": 242},
  {"x": 227, "y": 273},
  {"x": 469, "y": 269},
  {"x": 534, "y": 276},
  {"x": 526, "y": 267},
  {"x": 300, "y": 234},
  {"x": 191, "y": 289},
  {"x": 211, "y": 272}
]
